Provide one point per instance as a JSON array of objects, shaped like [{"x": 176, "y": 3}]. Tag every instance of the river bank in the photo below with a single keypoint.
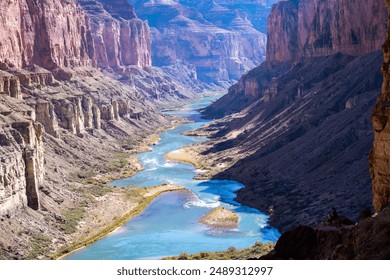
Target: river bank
[{"x": 106, "y": 208}]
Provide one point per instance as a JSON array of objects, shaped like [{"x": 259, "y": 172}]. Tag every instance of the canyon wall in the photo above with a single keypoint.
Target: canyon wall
[
  {"x": 50, "y": 85},
  {"x": 304, "y": 29},
  {"x": 218, "y": 40},
  {"x": 47, "y": 33},
  {"x": 22, "y": 159},
  {"x": 296, "y": 130},
  {"x": 319, "y": 28},
  {"x": 379, "y": 156},
  {"x": 120, "y": 38},
  {"x": 56, "y": 34}
]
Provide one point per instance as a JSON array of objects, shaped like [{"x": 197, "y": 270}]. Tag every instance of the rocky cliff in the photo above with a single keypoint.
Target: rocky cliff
[
  {"x": 297, "y": 129},
  {"x": 120, "y": 38},
  {"x": 122, "y": 48},
  {"x": 320, "y": 28},
  {"x": 47, "y": 33},
  {"x": 379, "y": 157},
  {"x": 217, "y": 39},
  {"x": 299, "y": 29},
  {"x": 22, "y": 157}
]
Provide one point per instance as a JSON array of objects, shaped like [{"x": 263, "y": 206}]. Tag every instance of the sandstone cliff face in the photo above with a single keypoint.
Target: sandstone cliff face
[
  {"x": 22, "y": 171},
  {"x": 57, "y": 34},
  {"x": 119, "y": 37},
  {"x": 300, "y": 29},
  {"x": 319, "y": 28},
  {"x": 47, "y": 33},
  {"x": 220, "y": 43},
  {"x": 122, "y": 48},
  {"x": 296, "y": 129},
  {"x": 379, "y": 157}
]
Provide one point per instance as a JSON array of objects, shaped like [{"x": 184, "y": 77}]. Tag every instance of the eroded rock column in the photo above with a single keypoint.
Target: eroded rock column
[{"x": 380, "y": 153}]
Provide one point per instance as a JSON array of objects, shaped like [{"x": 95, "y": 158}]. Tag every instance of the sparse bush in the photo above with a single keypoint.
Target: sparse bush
[
  {"x": 72, "y": 218},
  {"x": 232, "y": 253},
  {"x": 39, "y": 245}
]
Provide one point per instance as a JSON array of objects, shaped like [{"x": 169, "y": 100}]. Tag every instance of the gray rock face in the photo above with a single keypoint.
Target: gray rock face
[
  {"x": 219, "y": 39},
  {"x": 21, "y": 153}
]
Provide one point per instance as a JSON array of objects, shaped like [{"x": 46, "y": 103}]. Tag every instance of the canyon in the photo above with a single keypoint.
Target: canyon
[
  {"x": 82, "y": 82},
  {"x": 296, "y": 130}
]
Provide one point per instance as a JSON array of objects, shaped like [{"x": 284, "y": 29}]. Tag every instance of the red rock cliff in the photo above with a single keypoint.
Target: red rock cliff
[
  {"x": 380, "y": 153},
  {"x": 49, "y": 33},
  {"x": 318, "y": 28},
  {"x": 58, "y": 33},
  {"x": 120, "y": 38}
]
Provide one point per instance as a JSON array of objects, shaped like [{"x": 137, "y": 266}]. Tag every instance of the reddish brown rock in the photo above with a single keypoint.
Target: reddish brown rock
[
  {"x": 317, "y": 28},
  {"x": 49, "y": 33},
  {"x": 120, "y": 38},
  {"x": 380, "y": 153}
]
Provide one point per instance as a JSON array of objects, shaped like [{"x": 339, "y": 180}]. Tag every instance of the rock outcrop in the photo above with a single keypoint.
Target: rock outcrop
[
  {"x": 217, "y": 39},
  {"x": 296, "y": 129},
  {"x": 368, "y": 240},
  {"x": 379, "y": 156},
  {"x": 22, "y": 160}
]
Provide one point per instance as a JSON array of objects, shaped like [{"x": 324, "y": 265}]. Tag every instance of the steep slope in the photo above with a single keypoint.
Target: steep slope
[
  {"x": 299, "y": 132},
  {"x": 218, "y": 40},
  {"x": 335, "y": 238}
]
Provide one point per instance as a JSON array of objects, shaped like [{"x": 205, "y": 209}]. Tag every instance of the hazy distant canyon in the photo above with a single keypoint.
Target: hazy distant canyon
[{"x": 219, "y": 40}]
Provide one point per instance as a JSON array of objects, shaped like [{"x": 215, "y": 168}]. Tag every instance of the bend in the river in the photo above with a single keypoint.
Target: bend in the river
[{"x": 169, "y": 225}]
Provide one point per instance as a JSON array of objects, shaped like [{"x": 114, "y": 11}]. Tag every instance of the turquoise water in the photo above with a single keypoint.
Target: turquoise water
[{"x": 169, "y": 226}]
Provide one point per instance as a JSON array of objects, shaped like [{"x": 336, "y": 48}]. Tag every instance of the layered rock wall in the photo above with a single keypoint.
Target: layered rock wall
[
  {"x": 22, "y": 160},
  {"x": 220, "y": 42},
  {"x": 120, "y": 38},
  {"x": 49, "y": 33},
  {"x": 302, "y": 28},
  {"x": 57, "y": 34},
  {"x": 10, "y": 85}
]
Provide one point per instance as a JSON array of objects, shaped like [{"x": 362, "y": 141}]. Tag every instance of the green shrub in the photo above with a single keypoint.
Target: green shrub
[
  {"x": 39, "y": 245},
  {"x": 72, "y": 217}
]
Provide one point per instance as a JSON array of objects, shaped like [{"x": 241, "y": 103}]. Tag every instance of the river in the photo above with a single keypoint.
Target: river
[{"x": 169, "y": 225}]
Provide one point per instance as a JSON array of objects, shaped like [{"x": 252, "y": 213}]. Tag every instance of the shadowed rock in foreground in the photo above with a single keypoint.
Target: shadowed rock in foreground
[{"x": 369, "y": 239}]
